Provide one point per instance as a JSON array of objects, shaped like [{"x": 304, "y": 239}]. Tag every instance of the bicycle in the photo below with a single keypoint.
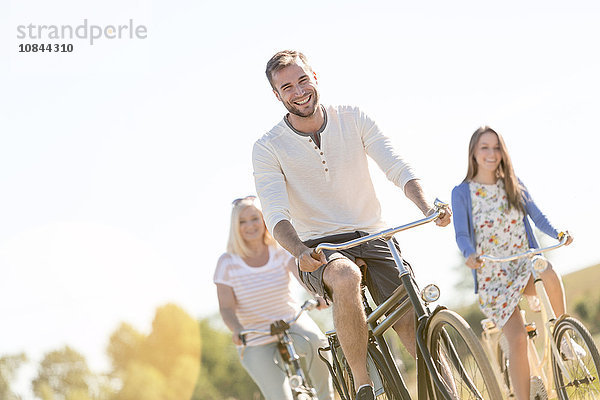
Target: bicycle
[
  {"x": 451, "y": 363},
  {"x": 298, "y": 378},
  {"x": 575, "y": 376}
]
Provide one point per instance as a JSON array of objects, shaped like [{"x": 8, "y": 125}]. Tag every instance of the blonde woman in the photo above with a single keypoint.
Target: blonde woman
[
  {"x": 253, "y": 281},
  {"x": 492, "y": 209}
]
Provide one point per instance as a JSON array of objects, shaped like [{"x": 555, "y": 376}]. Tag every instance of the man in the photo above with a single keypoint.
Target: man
[{"x": 312, "y": 177}]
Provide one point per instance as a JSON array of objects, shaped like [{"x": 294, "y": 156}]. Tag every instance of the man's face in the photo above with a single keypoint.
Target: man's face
[{"x": 296, "y": 87}]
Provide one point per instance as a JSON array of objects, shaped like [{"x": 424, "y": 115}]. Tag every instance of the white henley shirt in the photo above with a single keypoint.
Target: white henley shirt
[{"x": 327, "y": 190}]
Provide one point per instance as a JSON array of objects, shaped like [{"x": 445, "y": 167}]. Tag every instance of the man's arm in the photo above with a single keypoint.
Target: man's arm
[
  {"x": 415, "y": 193},
  {"x": 288, "y": 238}
]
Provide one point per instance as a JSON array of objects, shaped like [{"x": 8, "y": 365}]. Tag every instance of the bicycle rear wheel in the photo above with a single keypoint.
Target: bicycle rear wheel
[
  {"x": 580, "y": 380},
  {"x": 459, "y": 358}
]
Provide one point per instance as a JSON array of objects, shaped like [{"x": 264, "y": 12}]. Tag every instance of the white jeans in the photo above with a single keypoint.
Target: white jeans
[{"x": 259, "y": 361}]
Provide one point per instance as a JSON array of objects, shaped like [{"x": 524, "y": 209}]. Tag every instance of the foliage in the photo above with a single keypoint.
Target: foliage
[
  {"x": 64, "y": 375},
  {"x": 588, "y": 311},
  {"x": 9, "y": 365},
  {"x": 163, "y": 365},
  {"x": 583, "y": 297},
  {"x": 222, "y": 375}
]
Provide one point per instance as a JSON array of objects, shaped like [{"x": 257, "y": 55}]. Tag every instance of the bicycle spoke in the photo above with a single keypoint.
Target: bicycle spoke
[
  {"x": 462, "y": 365},
  {"x": 580, "y": 379}
]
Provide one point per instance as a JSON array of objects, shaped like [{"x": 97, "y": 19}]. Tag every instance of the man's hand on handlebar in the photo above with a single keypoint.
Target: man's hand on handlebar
[
  {"x": 322, "y": 303},
  {"x": 309, "y": 261},
  {"x": 445, "y": 216}
]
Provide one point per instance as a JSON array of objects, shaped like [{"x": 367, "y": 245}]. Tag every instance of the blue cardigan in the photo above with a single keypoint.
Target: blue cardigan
[{"x": 463, "y": 221}]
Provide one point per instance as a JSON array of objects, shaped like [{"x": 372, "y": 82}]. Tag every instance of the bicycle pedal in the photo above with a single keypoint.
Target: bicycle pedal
[{"x": 531, "y": 330}]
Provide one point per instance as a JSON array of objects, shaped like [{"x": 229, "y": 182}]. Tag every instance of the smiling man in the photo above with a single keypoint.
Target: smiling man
[{"x": 312, "y": 177}]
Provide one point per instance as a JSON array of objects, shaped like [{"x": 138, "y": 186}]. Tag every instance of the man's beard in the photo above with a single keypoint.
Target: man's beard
[{"x": 314, "y": 102}]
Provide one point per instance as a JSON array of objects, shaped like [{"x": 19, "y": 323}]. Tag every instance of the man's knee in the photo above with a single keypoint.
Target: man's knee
[{"x": 342, "y": 275}]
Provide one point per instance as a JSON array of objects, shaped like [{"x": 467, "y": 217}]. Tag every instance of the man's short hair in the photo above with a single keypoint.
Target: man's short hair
[{"x": 281, "y": 60}]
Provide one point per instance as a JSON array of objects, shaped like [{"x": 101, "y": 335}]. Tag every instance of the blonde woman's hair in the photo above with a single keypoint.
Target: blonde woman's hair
[
  {"x": 514, "y": 191},
  {"x": 236, "y": 244}
]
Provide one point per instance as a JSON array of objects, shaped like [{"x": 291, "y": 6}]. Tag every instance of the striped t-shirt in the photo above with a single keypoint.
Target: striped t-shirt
[{"x": 263, "y": 294}]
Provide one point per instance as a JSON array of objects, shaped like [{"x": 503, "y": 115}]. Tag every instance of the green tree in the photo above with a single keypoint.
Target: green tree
[
  {"x": 64, "y": 375},
  {"x": 221, "y": 373},
  {"x": 124, "y": 346},
  {"x": 9, "y": 366},
  {"x": 163, "y": 365},
  {"x": 142, "y": 381}
]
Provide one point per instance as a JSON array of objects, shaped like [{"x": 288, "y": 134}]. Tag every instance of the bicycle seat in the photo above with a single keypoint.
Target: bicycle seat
[{"x": 279, "y": 327}]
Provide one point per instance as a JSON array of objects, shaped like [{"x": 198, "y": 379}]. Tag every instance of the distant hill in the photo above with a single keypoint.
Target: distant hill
[{"x": 582, "y": 284}]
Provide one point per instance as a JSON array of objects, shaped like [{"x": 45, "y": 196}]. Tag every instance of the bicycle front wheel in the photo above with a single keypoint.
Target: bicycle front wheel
[
  {"x": 459, "y": 358},
  {"x": 576, "y": 373},
  {"x": 502, "y": 357}
]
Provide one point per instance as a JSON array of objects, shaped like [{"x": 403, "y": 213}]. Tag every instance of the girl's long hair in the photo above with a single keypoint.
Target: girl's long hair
[
  {"x": 505, "y": 170},
  {"x": 235, "y": 243}
]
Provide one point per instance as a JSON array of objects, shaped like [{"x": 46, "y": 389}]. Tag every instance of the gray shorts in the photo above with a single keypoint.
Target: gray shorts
[{"x": 382, "y": 276}]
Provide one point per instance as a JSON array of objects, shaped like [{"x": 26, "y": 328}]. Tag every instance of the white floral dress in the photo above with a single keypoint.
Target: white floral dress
[{"x": 500, "y": 232}]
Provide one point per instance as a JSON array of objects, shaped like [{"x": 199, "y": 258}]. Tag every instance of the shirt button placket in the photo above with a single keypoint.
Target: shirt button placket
[
  {"x": 325, "y": 168},
  {"x": 323, "y": 161}
]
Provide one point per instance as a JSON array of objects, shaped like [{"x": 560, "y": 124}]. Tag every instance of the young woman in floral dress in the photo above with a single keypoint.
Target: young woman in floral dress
[{"x": 492, "y": 209}]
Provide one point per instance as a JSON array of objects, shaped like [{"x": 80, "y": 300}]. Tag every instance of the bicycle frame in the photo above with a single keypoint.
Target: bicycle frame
[
  {"x": 540, "y": 367},
  {"x": 394, "y": 311}
]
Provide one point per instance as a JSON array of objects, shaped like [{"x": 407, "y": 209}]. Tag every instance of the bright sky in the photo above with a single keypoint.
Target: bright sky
[{"x": 119, "y": 161}]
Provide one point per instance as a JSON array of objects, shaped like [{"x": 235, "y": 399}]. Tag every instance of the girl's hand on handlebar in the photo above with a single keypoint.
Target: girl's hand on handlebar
[
  {"x": 237, "y": 340},
  {"x": 309, "y": 261},
  {"x": 473, "y": 261},
  {"x": 569, "y": 237}
]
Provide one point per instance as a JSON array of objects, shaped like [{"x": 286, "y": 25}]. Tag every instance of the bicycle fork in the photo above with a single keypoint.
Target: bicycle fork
[{"x": 297, "y": 379}]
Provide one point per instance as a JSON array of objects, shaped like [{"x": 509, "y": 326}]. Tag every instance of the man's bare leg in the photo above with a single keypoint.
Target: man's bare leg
[
  {"x": 405, "y": 328},
  {"x": 343, "y": 278}
]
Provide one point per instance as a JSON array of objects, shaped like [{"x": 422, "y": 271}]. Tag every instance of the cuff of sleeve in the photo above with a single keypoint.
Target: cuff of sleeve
[
  {"x": 274, "y": 219},
  {"x": 406, "y": 177}
]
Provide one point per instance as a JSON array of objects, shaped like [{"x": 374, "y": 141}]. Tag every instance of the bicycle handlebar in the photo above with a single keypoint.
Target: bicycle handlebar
[
  {"x": 528, "y": 253},
  {"x": 308, "y": 305},
  {"x": 439, "y": 206}
]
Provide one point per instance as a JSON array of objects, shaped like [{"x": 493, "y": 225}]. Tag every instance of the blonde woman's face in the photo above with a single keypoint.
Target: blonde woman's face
[
  {"x": 487, "y": 152},
  {"x": 252, "y": 226}
]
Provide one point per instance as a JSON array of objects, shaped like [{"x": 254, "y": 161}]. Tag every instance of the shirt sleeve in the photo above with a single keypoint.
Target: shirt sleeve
[
  {"x": 221, "y": 275},
  {"x": 270, "y": 185},
  {"x": 460, "y": 217},
  {"x": 538, "y": 217},
  {"x": 379, "y": 147}
]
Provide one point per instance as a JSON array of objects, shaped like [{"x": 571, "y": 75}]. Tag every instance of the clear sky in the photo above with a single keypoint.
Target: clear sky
[{"x": 119, "y": 161}]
